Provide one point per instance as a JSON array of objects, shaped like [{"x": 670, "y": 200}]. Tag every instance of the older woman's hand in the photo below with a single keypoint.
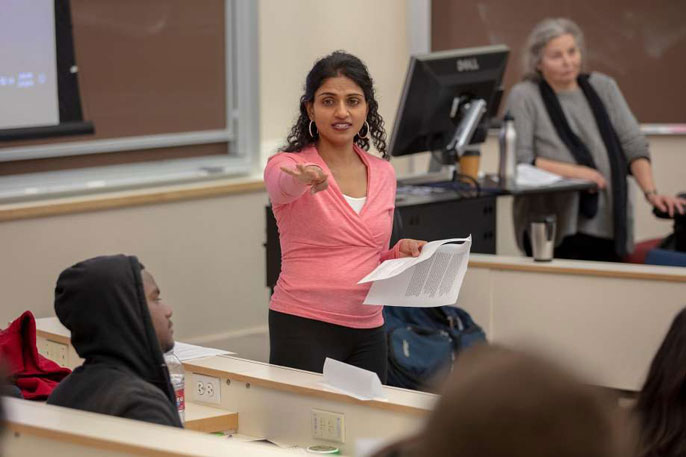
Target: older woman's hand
[
  {"x": 667, "y": 203},
  {"x": 410, "y": 248},
  {"x": 591, "y": 174}
]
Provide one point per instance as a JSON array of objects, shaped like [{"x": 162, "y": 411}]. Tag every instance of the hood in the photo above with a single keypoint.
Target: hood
[{"x": 102, "y": 302}]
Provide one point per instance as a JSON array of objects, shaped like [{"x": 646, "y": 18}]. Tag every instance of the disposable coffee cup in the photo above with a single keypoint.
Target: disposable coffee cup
[
  {"x": 542, "y": 232},
  {"x": 469, "y": 163}
]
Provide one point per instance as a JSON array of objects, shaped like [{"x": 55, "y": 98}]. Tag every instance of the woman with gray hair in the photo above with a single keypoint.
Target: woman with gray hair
[{"x": 579, "y": 125}]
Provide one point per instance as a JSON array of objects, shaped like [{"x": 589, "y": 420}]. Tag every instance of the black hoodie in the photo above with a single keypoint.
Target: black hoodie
[{"x": 102, "y": 302}]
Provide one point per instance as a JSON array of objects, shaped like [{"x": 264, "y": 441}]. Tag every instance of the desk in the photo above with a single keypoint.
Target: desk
[
  {"x": 53, "y": 341},
  {"x": 276, "y": 402},
  {"x": 40, "y": 429},
  {"x": 206, "y": 419},
  {"x": 605, "y": 320}
]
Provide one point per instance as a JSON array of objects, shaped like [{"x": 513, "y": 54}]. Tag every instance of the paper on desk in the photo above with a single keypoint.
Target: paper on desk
[
  {"x": 434, "y": 278},
  {"x": 353, "y": 381},
  {"x": 185, "y": 351},
  {"x": 531, "y": 176}
]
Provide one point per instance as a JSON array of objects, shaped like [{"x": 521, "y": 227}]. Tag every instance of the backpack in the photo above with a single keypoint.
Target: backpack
[{"x": 423, "y": 343}]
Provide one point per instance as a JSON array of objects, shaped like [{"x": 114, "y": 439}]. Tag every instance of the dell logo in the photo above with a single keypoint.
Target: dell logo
[{"x": 467, "y": 64}]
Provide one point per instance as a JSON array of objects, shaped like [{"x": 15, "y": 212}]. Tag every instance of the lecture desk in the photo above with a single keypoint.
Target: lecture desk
[
  {"x": 38, "y": 429},
  {"x": 276, "y": 402},
  {"x": 604, "y": 320},
  {"x": 199, "y": 417}
]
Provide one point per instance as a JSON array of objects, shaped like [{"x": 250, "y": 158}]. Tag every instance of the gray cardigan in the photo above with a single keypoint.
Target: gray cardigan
[{"x": 536, "y": 137}]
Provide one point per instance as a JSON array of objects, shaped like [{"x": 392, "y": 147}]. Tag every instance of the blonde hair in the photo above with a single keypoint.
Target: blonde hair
[{"x": 546, "y": 30}]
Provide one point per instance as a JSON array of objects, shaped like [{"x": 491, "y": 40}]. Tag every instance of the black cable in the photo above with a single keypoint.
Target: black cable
[{"x": 460, "y": 178}]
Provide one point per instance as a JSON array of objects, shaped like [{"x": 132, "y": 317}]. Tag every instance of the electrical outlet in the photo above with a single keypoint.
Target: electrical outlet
[
  {"x": 206, "y": 388},
  {"x": 42, "y": 346},
  {"x": 57, "y": 352},
  {"x": 327, "y": 425},
  {"x": 61, "y": 353}
]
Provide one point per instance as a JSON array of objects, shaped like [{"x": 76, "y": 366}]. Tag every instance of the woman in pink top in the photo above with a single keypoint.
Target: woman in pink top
[{"x": 333, "y": 204}]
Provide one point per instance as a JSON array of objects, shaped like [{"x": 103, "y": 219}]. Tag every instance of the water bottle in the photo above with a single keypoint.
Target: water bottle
[
  {"x": 176, "y": 376},
  {"x": 507, "y": 168}
]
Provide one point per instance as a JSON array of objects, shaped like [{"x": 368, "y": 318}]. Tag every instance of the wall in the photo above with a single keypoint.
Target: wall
[
  {"x": 294, "y": 34},
  {"x": 207, "y": 255}
]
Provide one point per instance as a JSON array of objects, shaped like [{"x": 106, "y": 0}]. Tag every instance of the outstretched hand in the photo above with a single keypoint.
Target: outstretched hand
[
  {"x": 410, "y": 248},
  {"x": 310, "y": 175}
]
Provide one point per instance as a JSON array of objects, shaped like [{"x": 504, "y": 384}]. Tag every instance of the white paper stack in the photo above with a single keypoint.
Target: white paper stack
[
  {"x": 432, "y": 279},
  {"x": 530, "y": 176},
  {"x": 186, "y": 352}
]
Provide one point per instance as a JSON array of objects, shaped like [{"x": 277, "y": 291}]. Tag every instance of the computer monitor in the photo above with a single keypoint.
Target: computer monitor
[{"x": 447, "y": 100}]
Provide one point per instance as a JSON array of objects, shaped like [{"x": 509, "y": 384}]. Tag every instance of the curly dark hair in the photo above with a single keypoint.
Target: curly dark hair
[
  {"x": 338, "y": 63},
  {"x": 661, "y": 405}
]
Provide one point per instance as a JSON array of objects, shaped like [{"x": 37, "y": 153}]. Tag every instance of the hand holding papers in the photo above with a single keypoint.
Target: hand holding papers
[{"x": 432, "y": 279}]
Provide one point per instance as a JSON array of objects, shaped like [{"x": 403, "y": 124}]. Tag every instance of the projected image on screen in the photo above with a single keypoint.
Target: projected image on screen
[{"x": 28, "y": 80}]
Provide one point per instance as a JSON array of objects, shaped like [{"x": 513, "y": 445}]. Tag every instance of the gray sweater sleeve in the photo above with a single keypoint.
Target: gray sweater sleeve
[{"x": 634, "y": 143}]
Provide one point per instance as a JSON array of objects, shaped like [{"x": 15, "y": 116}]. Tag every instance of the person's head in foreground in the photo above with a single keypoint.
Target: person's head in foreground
[
  {"x": 121, "y": 327},
  {"x": 339, "y": 107},
  {"x": 661, "y": 405},
  {"x": 505, "y": 403}
]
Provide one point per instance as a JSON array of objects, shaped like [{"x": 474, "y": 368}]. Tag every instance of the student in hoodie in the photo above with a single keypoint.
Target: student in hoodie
[{"x": 121, "y": 327}]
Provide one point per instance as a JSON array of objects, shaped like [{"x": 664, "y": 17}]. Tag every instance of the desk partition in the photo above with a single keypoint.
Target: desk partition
[
  {"x": 37, "y": 429},
  {"x": 605, "y": 320},
  {"x": 278, "y": 403}
]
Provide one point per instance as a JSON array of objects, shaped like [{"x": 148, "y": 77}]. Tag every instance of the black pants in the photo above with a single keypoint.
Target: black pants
[
  {"x": 302, "y": 343},
  {"x": 581, "y": 247}
]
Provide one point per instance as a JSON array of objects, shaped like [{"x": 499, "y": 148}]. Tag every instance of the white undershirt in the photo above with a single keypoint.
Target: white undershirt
[{"x": 356, "y": 203}]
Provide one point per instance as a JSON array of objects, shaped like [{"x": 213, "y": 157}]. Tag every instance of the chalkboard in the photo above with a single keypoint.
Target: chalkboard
[
  {"x": 145, "y": 68},
  {"x": 642, "y": 44}
]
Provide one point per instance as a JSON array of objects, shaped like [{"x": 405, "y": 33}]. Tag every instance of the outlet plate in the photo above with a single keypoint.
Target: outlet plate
[
  {"x": 327, "y": 425},
  {"x": 206, "y": 388},
  {"x": 57, "y": 352}
]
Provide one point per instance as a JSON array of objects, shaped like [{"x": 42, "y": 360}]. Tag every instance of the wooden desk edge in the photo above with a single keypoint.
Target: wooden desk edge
[
  {"x": 578, "y": 271},
  {"x": 24, "y": 424},
  {"x": 97, "y": 443},
  {"x": 220, "y": 423},
  {"x": 302, "y": 390},
  {"x": 53, "y": 336},
  {"x": 98, "y": 202}
]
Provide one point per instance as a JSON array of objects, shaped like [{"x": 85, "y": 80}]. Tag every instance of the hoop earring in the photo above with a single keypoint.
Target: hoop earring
[
  {"x": 309, "y": 128},
  {"x": 366, "y": 133}
]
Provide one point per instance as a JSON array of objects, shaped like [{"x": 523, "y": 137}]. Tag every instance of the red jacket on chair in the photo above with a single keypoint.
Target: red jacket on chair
[{"x": 35, "y": 375}]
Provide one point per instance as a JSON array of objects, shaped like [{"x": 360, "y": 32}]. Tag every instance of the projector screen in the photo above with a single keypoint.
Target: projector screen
[
  {"x": 28, "y": 78},
  {"x": 39, "y": 94}
]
